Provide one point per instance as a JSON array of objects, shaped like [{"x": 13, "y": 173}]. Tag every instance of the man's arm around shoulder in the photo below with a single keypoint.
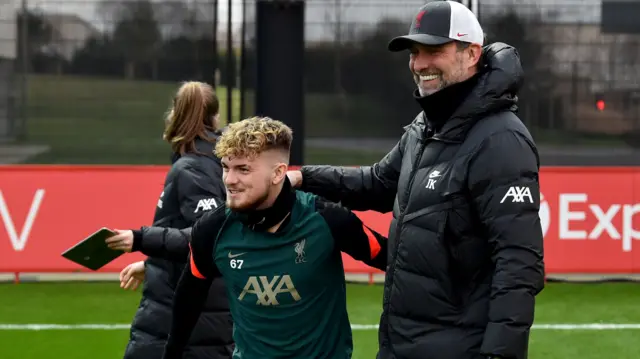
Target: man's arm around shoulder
[
  {"x": 352, "y": 236},
  {"x": 504, "y": 184},
  {"x": 359, "y": 188}
]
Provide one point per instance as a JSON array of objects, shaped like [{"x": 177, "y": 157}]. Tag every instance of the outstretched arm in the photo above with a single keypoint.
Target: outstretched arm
[
  {"x": 193, "y": 286},
  {"x": 359, "y": 188},
  {"x": 166, "y": 243},
  {"x": 352, "y": 236}
]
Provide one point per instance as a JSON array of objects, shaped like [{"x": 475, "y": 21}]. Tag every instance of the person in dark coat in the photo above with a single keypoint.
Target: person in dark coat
[
  {"x": 193, "y": 186},
  {"x": 465, "y": 253}
]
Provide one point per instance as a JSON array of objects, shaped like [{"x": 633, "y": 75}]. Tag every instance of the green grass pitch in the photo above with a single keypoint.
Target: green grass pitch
[{"x": 75, "y": 303}]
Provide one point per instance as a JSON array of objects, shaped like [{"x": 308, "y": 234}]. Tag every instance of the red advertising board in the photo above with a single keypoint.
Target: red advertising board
[
  {"x": 591, "y": 219},
  {"x": 590, "y": 216}
]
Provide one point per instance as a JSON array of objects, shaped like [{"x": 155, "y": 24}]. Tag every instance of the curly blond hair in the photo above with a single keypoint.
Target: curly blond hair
[{"x": 252, "y": 136}]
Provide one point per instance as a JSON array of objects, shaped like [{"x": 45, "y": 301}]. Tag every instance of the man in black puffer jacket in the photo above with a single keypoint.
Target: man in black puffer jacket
[{"x": 465, "y": 241}]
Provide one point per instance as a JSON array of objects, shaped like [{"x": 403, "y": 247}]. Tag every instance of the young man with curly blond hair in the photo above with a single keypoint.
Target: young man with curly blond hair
[{"x": 278, "y": 251}]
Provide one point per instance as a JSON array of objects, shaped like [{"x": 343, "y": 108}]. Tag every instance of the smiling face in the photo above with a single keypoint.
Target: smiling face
[
  {"x": 255, "y": 156},
  {"x": 252, "y": 181},
  {"x": 436, "y": 67}
]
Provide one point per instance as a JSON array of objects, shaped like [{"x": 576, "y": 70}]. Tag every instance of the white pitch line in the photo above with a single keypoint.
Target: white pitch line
[
  {"x": 39, "y": 327},
  {"x": 585, "y": 326},
  {"x": 590, "y": 326}
]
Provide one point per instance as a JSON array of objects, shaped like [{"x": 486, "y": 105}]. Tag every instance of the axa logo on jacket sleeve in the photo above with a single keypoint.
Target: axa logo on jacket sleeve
[
  {"x": 523, "y": 194},
  {"x": 518, "y": 194},
  {"x": 206, "y": 204}
]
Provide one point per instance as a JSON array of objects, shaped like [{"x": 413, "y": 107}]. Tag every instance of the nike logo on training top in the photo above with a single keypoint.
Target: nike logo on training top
[{"x": 206, "y": 204}]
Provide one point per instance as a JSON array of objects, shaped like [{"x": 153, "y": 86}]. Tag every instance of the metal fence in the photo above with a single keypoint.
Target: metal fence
[{"x": 99, "y": 76}]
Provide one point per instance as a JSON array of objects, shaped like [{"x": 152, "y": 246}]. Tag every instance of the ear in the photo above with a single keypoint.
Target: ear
[
  {"x": 475, "y": 53},
  {"x": 280, "y": 173}
]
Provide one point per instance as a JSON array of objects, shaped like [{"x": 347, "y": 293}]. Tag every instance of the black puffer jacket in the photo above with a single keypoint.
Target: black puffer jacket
[
  {"x": 465, "y": 242},
  {"x": 192, "y": 187}
]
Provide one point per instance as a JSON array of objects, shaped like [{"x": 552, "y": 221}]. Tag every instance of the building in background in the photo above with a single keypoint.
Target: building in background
[{"x": 69, "y": 33}]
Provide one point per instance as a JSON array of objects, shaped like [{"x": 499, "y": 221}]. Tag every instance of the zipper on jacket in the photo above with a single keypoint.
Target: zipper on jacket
[{"x": 392, "y": 266}]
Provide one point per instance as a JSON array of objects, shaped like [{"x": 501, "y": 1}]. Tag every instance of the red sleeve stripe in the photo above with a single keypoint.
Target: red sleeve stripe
[
  {"x": 194, "y": 270},
  {"x": 374, "y": 246}
]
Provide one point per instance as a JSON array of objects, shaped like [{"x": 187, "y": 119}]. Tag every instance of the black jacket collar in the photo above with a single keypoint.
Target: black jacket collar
[
  {"x": 203, "y": 146},
  {"x": 440, "y": 106}
]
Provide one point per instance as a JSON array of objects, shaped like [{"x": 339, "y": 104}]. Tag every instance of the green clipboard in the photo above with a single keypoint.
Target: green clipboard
[{"x": 92, "y": 252}]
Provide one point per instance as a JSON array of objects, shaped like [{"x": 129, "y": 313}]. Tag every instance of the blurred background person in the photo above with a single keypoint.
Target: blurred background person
[{"x": 192, "y": 187}]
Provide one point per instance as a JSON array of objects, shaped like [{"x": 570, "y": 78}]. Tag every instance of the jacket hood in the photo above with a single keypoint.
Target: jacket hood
[
  {"x": 499, "y": 82},
  {"x": 496, "y": 89},
  {"x": 205, "y": 146}
]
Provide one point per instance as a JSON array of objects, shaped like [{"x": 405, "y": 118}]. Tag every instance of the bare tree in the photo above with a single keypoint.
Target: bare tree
[{"x": 135, "y": 32}]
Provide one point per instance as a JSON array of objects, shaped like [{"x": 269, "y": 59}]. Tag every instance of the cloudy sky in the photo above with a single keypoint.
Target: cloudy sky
[
  {"x": 354, "y": 10},
  {"x": 360, "y": 13},
  {"x": 87, "y": 9}
]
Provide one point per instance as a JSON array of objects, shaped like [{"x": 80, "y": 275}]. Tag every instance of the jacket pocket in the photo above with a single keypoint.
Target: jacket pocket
[
  {"x": 451, "y": 279},
  {"x": 440, "y": 207}
]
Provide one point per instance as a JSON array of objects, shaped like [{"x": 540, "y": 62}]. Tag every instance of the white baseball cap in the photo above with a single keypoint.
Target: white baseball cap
[{"x": 438, "y": 23}]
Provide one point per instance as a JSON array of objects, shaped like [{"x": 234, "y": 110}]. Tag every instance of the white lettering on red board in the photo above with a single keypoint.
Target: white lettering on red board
[
  {"x": 20, "y": 241},
  {"x": 603, "y": 217}
]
